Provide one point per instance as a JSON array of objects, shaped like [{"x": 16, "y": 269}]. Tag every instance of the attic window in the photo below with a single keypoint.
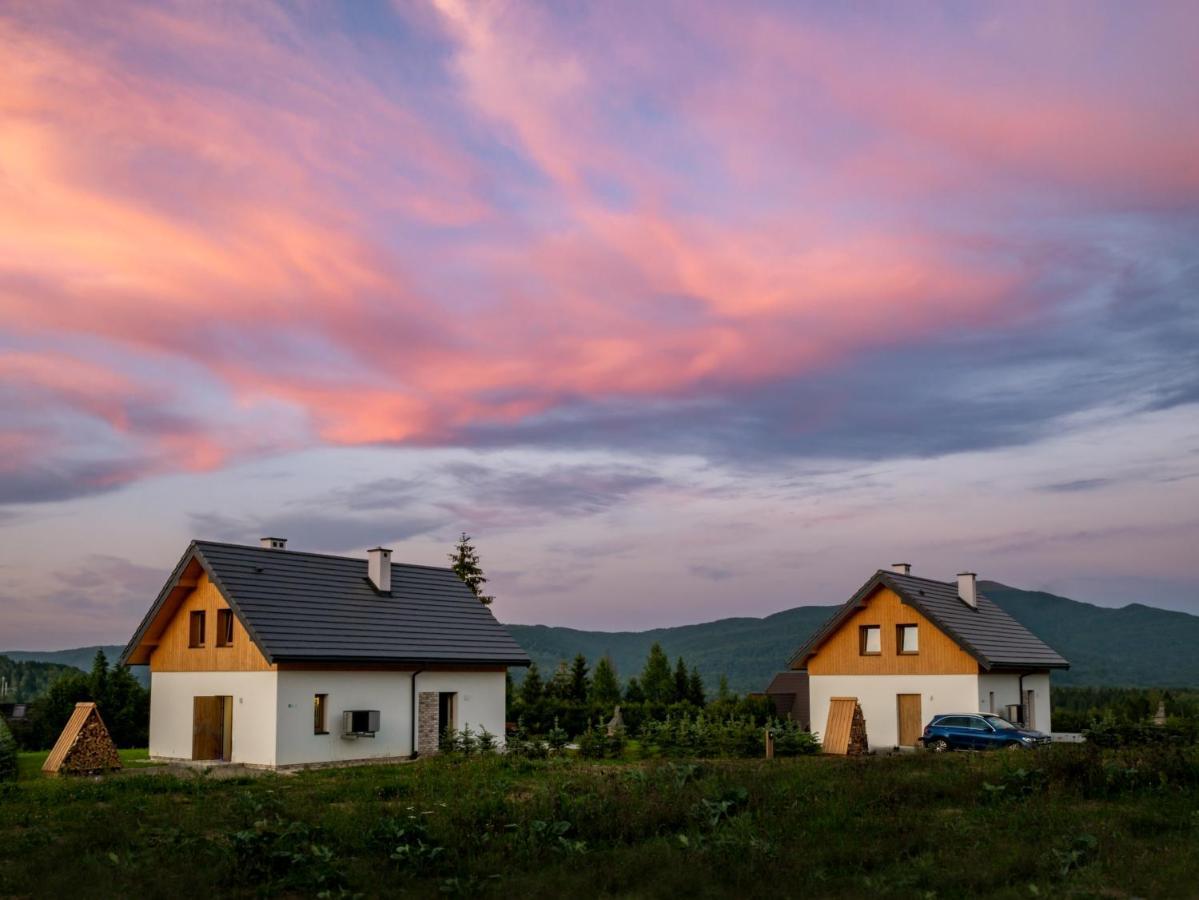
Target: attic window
[
  {"x": 224, "y": 628},
  {"x": 195, "y": 632},
  {"x": 907, "y": 639},
  {"x": 870, "y": 640}
]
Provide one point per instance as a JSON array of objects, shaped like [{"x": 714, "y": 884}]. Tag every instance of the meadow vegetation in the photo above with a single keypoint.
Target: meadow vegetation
[{"x": 1073, "y": 820}]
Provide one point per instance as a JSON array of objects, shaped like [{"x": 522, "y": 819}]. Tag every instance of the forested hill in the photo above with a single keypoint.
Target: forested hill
[
  {"x": 21, "y": 681},
  {"x": 1136, "y": 645}
]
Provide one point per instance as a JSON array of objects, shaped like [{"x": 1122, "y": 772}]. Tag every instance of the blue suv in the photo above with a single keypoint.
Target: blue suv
[{"x": 978, "y": 731}]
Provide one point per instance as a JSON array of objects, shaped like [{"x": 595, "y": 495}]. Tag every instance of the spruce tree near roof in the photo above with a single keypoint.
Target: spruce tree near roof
[{"x": 465, "y": 563}]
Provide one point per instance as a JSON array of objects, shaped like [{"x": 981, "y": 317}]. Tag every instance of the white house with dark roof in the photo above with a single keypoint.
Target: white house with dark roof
[
  {"x": 909, "y": 648},
  {"x": 274, "y": 658}
]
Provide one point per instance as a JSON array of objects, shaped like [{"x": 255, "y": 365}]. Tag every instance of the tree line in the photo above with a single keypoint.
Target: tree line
[
  {"x": 123, "y": 703},
  {"x": 578, "y": 695}
]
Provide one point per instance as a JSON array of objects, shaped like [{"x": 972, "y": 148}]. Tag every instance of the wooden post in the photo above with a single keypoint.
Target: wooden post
[{"x": 769, "y": 743}]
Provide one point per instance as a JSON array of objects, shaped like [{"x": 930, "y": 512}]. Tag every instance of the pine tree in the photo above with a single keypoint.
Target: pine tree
[
  {"x": 531, "y": 688},
  {"x": 633, "y": 693},
  {"x": 465, "y": 563},
  {"x": 580, "y": 683},
  {"x": 656, "y": 679},
  {"x": 605, "y": 687},
  {"x": 722, "y": 692},
  {"x": 680, "y": 681},
  {"x": 558, "y": 687},
  {"x": 695, "y": 688},
  {"x": 99, "y": 682}
]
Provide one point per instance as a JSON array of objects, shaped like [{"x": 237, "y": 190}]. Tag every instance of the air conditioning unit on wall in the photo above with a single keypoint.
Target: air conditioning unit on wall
[{"x": 356, "y": 723}]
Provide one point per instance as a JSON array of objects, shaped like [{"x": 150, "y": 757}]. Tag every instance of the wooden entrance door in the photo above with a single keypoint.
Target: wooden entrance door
[
  {"x": 212, "y": 731},
  {"x": 909, "y": 718}
]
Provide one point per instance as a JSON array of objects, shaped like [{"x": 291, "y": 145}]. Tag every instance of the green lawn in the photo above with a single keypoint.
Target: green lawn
[
  {"x": 1071, "y": 821},
  {"x": 29, "y": 762}
]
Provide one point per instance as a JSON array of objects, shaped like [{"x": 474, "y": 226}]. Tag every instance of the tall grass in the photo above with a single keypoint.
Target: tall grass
[{"x": 1074, "y": 820}]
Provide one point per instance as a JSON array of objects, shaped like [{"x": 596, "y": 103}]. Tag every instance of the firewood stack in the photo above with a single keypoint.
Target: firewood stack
[
  {"x": 84, "y": 747},
  {"x": 857, "y": 733}
]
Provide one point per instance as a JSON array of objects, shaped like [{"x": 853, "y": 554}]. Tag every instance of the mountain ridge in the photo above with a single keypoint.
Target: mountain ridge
[{"x": 1135, "y": 645}]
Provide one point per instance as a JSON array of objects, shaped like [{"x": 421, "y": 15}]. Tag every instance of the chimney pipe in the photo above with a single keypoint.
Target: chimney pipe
[
  {"x": 902, "y": 568},
  {"x": 378, "y": 567},
  {"x": 968, "y": 588},
  {"x": 273, "y": 543}
]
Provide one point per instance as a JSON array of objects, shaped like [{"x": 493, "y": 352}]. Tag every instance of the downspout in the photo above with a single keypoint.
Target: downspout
[
  {"x": 1023, "y": 711},
  {"x": 413, "y": 731}
]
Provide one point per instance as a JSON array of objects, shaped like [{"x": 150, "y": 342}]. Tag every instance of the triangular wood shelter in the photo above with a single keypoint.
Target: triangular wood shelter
[
  {"x": 84, "y": 746},
  {"x": 846, "y": 730}
]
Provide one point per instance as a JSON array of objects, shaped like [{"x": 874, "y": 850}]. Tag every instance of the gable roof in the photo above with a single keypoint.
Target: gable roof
[
  {"x": 990, "y": 635},
  {"x": 310, "y": 607}
]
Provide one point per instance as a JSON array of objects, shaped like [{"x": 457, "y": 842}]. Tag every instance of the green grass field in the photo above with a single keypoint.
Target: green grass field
[
  {"x": 29, "y": 763},
  {"x": 1067, "y": 822}
]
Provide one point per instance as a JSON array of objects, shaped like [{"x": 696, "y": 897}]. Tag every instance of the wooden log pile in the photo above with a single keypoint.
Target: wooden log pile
[
  {"x": 857, "y": 733},
  {"x": 84, "y": 747}
]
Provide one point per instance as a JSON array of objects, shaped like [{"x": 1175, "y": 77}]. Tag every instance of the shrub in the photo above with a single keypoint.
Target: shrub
[
  {"x": 596, "y": 743},
  {"x": 8, "y": 753},
  {"x": 1110, "y": 732},
  {"x": 700, "y": 736}
]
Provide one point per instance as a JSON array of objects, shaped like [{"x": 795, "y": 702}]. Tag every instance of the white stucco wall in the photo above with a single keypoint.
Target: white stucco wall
[
  {"x": 480, "y": 698},
  {"x": 877, "y": 696},
  {"x": 1007, "y": 690},
  {"x": 171, "y": 708},
  {"x": 388, "y": 692}
]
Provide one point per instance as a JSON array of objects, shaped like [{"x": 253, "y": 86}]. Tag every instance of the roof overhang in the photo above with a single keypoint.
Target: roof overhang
[
  {"x": 880, "y": 579},
  {"x": 182, "y": 581}
]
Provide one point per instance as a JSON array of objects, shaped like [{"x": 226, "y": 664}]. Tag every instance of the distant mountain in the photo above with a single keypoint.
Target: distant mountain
[
  {"x": 79, "y": 658},
  {"x": 1133, "y": 646}
]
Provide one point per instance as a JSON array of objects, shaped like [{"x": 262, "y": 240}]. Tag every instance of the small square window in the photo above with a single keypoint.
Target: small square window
[
  {"x": 195, "y": 633},
  {"x": 870, "y": 640},
  {"x": 320, "y": 705},
  {"x": 224, "y": 628},
  {"x": 907, "y": 639}
]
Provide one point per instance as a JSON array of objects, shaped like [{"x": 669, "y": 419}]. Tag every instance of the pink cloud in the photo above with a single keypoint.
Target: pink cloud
[{"x": 637, "y": 205}]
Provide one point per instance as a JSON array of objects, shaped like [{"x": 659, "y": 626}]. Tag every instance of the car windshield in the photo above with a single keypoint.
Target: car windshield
[{"x": 998, "y": 723}]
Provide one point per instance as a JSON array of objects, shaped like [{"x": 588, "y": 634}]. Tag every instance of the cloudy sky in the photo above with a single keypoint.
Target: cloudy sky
[{"x": 684, "y": 310}]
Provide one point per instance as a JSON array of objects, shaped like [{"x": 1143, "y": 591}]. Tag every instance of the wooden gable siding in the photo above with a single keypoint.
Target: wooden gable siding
[
  {"x": 174, "y": 655},
  {"x": 939, "y": 654}
]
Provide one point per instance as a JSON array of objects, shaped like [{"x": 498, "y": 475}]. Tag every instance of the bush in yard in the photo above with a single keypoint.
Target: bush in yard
[
  {"x": 8, "y": 753},
  {"x": 701, "y": 736},
  {"x": 1110, "y": 732},
  {"x": 596, "y": 743}
]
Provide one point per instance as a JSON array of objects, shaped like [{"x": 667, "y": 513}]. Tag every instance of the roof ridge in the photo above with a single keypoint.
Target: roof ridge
[{"x": 198, "y": 541}]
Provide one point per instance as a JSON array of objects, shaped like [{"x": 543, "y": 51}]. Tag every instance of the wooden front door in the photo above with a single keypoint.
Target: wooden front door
[
  {"x": 910, "y": 718},
  {"x": 212, "y": 734}
]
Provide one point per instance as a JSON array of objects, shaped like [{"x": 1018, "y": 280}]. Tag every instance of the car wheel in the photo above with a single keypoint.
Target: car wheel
[{"x": 940, "y": 745}]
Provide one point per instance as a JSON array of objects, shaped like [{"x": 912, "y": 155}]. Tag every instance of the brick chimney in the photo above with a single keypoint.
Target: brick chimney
[{"x": 378, "y": 568}]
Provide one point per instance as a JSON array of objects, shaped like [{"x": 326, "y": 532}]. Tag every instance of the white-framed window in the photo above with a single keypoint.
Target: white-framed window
[
  {"x": 907, "y": 639},
  {"x": 870, "y": 640}
]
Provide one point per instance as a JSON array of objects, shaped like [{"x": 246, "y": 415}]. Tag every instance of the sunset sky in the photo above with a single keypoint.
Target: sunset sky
[{"x": 684, "y": 310}]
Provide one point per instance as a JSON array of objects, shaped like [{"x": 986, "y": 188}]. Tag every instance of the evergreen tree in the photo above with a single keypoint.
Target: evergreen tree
[
  {"x": 656, "y": 680},
  {"x": 558, "y": 687},
  {"x": 605, "y": 687},
  {"x": 680, "y": 681},
  {"x": 722, "y": 692},
  {"x": 580, "y": 683},
  {"x": 99, "y": 680},
  {"x": 633, "y": 693},
  {"x": 465, "y": 563},
  {"x": 695, "y": 688},
  {"x": 531, "y": 688}
]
